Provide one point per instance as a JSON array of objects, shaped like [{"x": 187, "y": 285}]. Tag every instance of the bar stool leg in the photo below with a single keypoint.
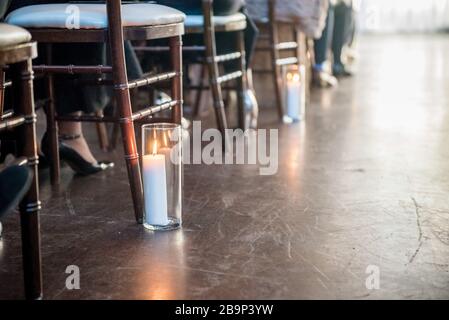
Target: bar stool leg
[
  {"x": 123, "y": 99},
  {"x": 176, "y": 62},
  {"x": 30, "y": 206},
  {"x": 52, "y": 126},
  {"x": 241, "y": 82}
]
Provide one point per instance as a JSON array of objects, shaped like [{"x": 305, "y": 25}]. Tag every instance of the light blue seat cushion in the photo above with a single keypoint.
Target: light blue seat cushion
[
  {"x": 92, "y": 16},
  {"x": 195, "y": 21}
]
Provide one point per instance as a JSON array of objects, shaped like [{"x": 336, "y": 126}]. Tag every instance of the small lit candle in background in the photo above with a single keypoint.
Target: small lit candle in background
[
  {"x": 155, "y": 187},
  {"x": 295, "y": 94}
]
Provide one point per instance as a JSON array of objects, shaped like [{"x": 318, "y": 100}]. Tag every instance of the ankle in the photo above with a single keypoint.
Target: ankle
[{"x": 70, "y": 136}]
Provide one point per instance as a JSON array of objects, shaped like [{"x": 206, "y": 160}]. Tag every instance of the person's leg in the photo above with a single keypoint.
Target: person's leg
[
  {"x": 74, "y": 98},
  {"x": 338, "y": 37},
  {"x": 4, "y": 5},
  {"x": 72, "y": 134},
  {"x": 71, "y": 98},
  {"x": 14, "y": 184},
  {"x": 321, "y": 77},
  {"x": 251, "y": 35},
  {"x": 322, "y": 45},
  {"x": 341, "y": 36}
]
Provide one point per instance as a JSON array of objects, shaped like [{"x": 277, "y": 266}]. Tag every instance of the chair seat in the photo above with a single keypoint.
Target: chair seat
[
  {"x": 197, "y": 21},
  {"x": 12, "y": 35},
  {"x": 92, "y": 16}
]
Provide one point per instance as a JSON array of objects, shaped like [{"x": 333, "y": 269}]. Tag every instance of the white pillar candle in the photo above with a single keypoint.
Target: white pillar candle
[
  {"x": 155, "y": 188},
  {"x": 295, "y": 94}
]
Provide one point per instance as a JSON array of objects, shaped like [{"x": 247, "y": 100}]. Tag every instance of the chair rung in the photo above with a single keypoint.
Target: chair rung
[
  {"x": 11, "y": 122},
  {"x": 207, "y": 87},
  {"x": 280, "y": 47},
  {"x": 286, "y": 46},
  {"x": 7, "y": 113},
  {"x": 6, "y": 85},
  {"x": 151, "y": 79},
  {"x": 71, "y": 69},
  {"x": 286, "y": 61},
  {"x": 229, "y": 77},
  {"x": 87, "y": 118},
  {"x": 154, "y": 109},
  {"x": 228, "y": 57},
  {"x": 166, "y": 48},
  {"x": 194, "y": 48}
]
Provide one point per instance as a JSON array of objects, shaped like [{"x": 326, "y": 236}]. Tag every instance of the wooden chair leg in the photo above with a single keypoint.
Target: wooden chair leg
[
  {"x": 30, "y": 206},
  {"x": 52, "y": 126},
  {"x": 131, "y": 153},
  {"x": 176, "y": 84},
  {"x": 199, "y": 93},
  {"x": 102, "y": 133},
  {"x": 211, "y": 54},
  {"x": 277, "y": 77},
  {"x": 241, "y": 82},
  {"x": 2, "y": 89},
  {"x": 115, "y": 129},
  {"x": 123, "y": 99}
]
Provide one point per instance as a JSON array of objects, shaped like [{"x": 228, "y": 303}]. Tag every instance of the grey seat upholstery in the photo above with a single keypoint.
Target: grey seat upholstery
[
  {"x": 196, "y": 21},
  {"x": 12, "y": 35},
  {"x": 92, "y": 16}
]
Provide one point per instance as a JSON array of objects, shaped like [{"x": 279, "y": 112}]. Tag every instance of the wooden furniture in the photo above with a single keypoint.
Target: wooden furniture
[
  {"x": 16, "y": 53},
  {"x": 272, "y": 43},
  {"x": 209, "y": 25},
  {"x": 111, "y": 23}
]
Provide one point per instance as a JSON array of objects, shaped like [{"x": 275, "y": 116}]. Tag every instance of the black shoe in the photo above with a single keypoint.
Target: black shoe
[
  {"x": 339, "y": 70},
  {"x": 75, "y": 161},
  {"x": 14, "y": 184},
  {"x": 78, "y": 164}
]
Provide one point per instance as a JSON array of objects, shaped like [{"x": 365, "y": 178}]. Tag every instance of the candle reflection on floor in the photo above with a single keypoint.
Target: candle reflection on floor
[{"x": 162, "y": 274}]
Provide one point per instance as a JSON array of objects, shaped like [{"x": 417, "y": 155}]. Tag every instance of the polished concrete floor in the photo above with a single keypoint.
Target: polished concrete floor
[{"x": 363, "y": 184}]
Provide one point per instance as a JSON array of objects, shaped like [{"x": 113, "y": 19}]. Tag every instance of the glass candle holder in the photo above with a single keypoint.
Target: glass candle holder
[
  {"x": 295, "y": 93},
  {"x": 162, "y": 176}
]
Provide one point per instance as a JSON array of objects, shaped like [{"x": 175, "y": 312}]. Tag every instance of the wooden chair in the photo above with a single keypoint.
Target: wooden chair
[
  {"x": 209, "y": 25},
  {"x": 113, "y": 23},
  {"x": 276, "y": 47},
  {"x": 16, "y": 53}
]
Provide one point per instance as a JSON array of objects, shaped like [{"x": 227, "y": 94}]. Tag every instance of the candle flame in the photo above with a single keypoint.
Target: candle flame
[{"x": 294, "y": 77}]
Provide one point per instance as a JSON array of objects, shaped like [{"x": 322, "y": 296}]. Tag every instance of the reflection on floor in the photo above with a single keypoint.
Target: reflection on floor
[{"x": 364, "y": 183}]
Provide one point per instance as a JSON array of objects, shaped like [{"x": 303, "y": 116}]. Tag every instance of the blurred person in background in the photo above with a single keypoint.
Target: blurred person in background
[{"x": 339, "y": 33}]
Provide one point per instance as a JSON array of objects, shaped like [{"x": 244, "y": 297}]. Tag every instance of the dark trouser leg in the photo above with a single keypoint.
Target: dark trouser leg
[
  {"x": 342, "y": 30},
  {"x": 322, "y": 45}
]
